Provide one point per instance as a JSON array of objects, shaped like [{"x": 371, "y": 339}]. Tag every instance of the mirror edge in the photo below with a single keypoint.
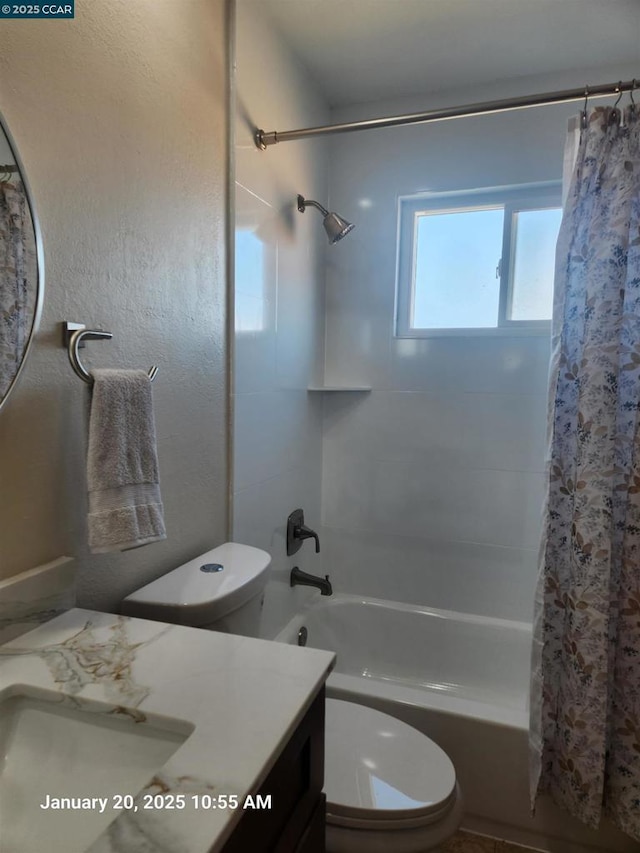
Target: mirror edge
[{"x": 37, "y": 313}]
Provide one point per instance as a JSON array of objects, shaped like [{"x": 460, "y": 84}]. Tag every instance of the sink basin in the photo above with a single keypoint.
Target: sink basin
[{"x": 53, "y": 747}]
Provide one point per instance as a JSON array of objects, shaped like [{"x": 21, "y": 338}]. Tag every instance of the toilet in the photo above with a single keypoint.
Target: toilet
[{"x": 389, "y": 788}]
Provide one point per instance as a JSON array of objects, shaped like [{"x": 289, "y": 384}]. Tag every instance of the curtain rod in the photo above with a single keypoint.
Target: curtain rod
[{"x": 263, "y": 138}]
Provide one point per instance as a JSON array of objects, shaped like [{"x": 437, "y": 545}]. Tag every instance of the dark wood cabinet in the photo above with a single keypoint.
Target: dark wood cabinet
[
  {"x": 295, "y": 823},
  {"x": 313, "y": 839}
]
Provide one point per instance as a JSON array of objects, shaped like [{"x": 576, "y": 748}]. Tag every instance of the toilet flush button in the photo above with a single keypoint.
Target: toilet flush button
[{"x": 212, "y": 567}]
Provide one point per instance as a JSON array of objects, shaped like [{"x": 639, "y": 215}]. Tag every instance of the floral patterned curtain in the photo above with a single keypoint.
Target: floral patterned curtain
[
  {"x": 585, "y": 699},
  {"x": 17, "y": 280}
]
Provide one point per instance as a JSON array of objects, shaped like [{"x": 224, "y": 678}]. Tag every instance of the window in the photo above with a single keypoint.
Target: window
[{"x": 477, "y": 263}]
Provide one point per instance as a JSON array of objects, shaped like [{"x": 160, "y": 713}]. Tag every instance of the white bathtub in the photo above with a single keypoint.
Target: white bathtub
[
  {"x": 456, "y": 662},
  {"x": 462, "y": 680}
]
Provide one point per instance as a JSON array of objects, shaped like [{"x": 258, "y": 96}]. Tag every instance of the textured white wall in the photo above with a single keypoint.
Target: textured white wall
[
  {"x": 120, "y": 118},
  {"x": 433, "y": 484},
  {"x": 278, "y": 425}
]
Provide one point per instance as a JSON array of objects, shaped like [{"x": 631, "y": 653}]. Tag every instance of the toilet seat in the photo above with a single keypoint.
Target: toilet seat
[{"x": 381, "y": 773}]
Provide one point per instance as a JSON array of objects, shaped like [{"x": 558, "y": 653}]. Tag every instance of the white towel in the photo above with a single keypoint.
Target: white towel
[{"x": 125, "y": 506}]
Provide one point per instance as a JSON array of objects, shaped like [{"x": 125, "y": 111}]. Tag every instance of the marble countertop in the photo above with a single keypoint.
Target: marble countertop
[{"x": 243, "y": 697}]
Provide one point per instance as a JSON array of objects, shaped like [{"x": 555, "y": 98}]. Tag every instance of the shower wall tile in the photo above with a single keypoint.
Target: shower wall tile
[
  {"x": 491, "y": 507},
  {"x": 279, "y": 307},
  {"x": 300, "y": 317},
  {"x": 451, "y": 575},
  {"x": 276, "y": 431},
  {"x": 355, "y": 422},
  {"x": 255, "y": 362},
  {"x": 478, "y": 365},
  {"x": 445, "y": 430},
  {"x": 359, "y": 314}
]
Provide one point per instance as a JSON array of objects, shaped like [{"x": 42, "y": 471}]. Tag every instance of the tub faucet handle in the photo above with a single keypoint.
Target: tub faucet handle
[
  {"x": 297, "y": 532},
  {"x": 304, "y": 532}
]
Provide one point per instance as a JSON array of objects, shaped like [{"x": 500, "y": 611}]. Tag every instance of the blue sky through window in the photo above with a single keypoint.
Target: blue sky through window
[
  {"x": 535, "y": 250},
  {"x": 455, "y": 277},
  {"x": 456, "y": 285}
]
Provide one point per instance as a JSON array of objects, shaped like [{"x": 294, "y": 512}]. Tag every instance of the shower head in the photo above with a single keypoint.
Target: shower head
[{"x": 335, "y": 226}]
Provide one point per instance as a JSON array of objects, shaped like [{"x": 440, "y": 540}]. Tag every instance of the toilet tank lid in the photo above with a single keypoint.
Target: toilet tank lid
[{"x": 201, "y": 581}]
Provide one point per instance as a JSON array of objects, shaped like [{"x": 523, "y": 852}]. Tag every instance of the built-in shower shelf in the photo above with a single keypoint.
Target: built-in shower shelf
[{"x": 339, "y": 388}]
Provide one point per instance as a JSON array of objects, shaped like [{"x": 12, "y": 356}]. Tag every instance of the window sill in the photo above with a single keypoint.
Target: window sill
[
  {"x": 537, "y": 331},
  {"x": 339, "y": 388}
]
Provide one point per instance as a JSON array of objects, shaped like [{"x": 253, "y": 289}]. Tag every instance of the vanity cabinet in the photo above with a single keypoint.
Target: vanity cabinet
[{"x": 296, "y": 821}]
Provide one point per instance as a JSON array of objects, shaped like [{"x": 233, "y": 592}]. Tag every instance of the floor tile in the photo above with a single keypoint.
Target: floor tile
[{"x": 464, "y": 842}]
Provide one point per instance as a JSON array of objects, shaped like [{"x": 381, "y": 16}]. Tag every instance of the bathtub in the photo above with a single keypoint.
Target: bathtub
[
  {"x": 463, "y": 680},
  {"x": 454, "y": 662}
]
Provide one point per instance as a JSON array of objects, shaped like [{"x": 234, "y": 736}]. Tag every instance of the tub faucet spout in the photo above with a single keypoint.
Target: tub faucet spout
[{"x": 301, "y": 578}]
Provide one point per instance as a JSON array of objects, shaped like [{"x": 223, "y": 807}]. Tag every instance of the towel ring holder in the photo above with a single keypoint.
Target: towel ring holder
[{"x": 74, "y": 336}]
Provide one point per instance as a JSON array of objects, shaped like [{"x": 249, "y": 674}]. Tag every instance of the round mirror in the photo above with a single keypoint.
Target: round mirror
[{"x": 21, "y": 266}]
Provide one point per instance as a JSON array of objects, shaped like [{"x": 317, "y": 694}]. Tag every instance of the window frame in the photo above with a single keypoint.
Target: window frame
[{"x": 540, "y": 196}]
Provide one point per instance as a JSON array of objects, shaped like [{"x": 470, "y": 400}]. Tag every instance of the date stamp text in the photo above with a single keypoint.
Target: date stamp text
[{"x": 158, "y": 802}]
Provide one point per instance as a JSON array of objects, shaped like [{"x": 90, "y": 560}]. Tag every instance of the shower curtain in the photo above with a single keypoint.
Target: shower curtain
[
  {"x": 585, "y": 698},
  {"x": 16, "y": 297}
]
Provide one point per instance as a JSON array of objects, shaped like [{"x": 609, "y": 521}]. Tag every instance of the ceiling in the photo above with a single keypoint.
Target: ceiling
[{"x": 370, "y": 50}]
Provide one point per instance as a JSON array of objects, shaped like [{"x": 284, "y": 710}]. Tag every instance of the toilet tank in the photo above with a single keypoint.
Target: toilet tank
[{"x": 221, "y": 590}]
